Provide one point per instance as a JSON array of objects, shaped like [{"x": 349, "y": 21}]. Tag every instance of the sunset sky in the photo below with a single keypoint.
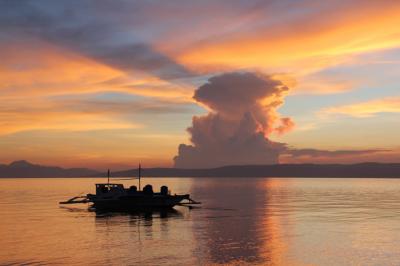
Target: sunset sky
[{"x": 110, "y": 83}]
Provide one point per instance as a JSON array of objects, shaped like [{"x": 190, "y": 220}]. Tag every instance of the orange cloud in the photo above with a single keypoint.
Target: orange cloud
[
  {"x": 43, "y": 69},
  {"x": 366, "y": 109},
  {"x": 13, "y": 122},
  {"x": 345, "y": 156},
  {"x": 360, "y": 31},
  {"x": 38, "y": 71},
  {"x": 303, "y": 46},
  {"x": 312, "y": 84},
  {"x": 286, "y": 125}
]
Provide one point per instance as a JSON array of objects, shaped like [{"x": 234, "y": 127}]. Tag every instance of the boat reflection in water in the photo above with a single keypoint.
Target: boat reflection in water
[
  {"x": 134, "y": 214},
  {"x": 238, "y": 225},
  {"x": 137, "y": 218}
]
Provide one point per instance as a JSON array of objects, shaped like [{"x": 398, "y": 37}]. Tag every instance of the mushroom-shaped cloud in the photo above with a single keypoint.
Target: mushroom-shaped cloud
[{"x": 242, "y": 115}]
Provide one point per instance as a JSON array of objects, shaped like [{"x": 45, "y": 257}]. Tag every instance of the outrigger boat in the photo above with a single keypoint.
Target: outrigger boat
[{"x": 112, "y": 196}]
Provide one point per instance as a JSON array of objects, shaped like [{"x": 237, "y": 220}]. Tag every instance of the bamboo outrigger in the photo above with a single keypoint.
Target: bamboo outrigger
[{"x": 115, "y": 197}]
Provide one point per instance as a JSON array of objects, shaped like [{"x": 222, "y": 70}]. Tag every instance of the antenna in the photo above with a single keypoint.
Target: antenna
[
  {"x": 108, "y": 176},
  {"x": 140, "y": 169}
]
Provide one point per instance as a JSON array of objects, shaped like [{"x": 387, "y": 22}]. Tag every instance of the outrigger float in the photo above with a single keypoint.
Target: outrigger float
[{"x": 111, "y": 196}]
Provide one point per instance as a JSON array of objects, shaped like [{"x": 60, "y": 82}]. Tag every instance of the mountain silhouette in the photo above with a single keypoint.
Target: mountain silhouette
[
  {"x": 277, "y": 170},
  {"x": 26, "y": 169}
]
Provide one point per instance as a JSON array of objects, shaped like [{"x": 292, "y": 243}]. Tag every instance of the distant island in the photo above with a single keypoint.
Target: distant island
[
  {"x": 276, "y": 170},
  {"x": 371, "y": 170},
  {"x": 26, "y": 169}
]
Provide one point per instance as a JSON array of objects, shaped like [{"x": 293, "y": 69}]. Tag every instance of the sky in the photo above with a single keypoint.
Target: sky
[{"x": 105, "y": 84}]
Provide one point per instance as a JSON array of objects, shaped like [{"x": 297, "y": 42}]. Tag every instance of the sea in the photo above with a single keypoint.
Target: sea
[{"x": 241, "y": 221}]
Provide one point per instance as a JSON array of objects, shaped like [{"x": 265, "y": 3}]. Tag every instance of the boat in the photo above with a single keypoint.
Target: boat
[{"x": 114, "y": 196}]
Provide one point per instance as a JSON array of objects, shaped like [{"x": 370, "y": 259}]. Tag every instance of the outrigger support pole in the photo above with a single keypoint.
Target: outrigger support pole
[
  {"x": 190, "y": 203},
  {"x": 74, "y": 200},
  {"x": 139, "y": 169}
]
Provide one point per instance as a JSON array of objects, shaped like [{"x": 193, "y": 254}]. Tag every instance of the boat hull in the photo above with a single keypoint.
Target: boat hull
[{"x": 138, "y": 202}]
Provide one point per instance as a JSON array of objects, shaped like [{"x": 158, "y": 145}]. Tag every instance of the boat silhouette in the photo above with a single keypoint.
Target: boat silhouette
[{"x": 114, "y": 196}]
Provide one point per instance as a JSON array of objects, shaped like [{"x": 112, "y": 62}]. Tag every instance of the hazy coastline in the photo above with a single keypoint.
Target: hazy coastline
[{"x": 24, "y": 169}]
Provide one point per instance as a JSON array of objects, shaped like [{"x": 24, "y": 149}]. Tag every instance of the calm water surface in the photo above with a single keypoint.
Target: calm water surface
[{"x": 257, "y": 221}]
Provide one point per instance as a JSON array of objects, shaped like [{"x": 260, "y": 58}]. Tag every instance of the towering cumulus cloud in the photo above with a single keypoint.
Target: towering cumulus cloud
[{"x": 242, "y": 116}]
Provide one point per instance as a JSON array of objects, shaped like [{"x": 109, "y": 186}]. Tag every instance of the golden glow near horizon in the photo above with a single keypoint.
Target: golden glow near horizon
[{"x": 125, "y": 94}]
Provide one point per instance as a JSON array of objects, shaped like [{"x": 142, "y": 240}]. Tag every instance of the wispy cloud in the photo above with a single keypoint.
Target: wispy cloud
[
  {"x": 366, "y": 109},
  {"x": 310, "y": 38},
  {"x": 81, "y": 112},
  {"x": 340, "y": 156},
  {"x": 89, "y": 29},
  {"x": 331, "y": 153}
]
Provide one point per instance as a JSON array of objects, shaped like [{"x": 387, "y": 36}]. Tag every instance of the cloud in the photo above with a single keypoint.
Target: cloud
[
  {"x": 287, "y": 125},
  {"x": 328, "y": 153},
  {"x": 366, "y": 109},
  {"x": 350, "y": 28},
  {"x": 140, "y": 57},
  {"x": 45, "y": 70},
  {"x": 318, "y": 83},
  {"x": 83, "y": 112},
  {"x": 242, "y": 116},
  {"x": 90, "y": 30},
  {"x": 339, "y": 156}
]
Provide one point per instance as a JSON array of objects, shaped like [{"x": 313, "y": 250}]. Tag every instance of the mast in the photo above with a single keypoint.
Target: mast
[
  {"x": 140, "y": 169},
  {"x": 108, "y": 176}
]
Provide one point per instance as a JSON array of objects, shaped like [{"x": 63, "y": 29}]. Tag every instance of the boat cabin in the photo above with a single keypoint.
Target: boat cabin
[{"x": 107, "y": 188}]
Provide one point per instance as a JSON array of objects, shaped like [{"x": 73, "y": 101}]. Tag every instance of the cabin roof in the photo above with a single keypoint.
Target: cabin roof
[{"x": 108, "y": 184}]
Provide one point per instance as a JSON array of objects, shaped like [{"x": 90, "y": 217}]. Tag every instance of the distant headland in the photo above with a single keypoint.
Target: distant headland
[
  {"x": 19, "y": 169},
  {"x": 24, "y": 168}
]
